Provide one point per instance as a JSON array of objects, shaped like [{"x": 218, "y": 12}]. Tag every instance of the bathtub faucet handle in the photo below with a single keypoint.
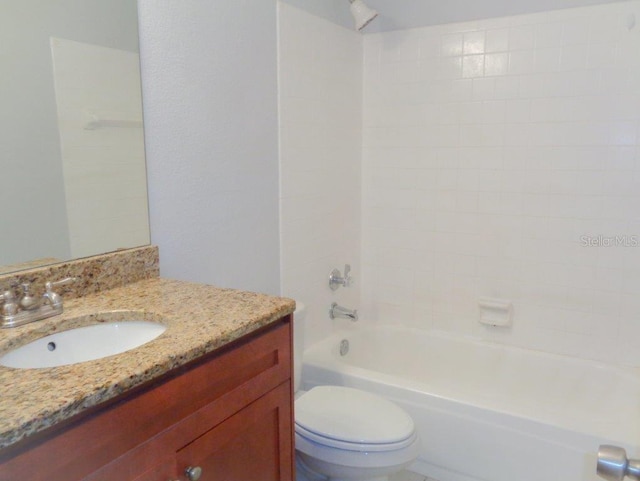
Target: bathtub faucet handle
[{"x": 336, "y": 279}]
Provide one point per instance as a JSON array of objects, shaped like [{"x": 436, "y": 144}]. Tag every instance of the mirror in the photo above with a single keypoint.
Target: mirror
[{"x": 73, "y": 177}]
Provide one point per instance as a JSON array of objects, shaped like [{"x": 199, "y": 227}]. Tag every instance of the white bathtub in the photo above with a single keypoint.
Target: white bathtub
[{"x": 489, "y": 412}]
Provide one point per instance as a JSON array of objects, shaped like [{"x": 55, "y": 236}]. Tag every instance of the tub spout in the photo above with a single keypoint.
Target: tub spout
[{"x": 343, "y": 312}]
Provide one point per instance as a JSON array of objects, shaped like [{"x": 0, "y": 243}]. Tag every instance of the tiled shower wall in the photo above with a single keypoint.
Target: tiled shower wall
[
  {"x": 500, "y": 158},
  {"x": 320, "y": 95}
]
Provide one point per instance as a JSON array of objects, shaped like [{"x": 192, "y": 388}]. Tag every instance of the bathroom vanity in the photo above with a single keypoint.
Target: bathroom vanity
[
  {"x": 228, "y": 415},
  {"x": 210, "y": 398}
]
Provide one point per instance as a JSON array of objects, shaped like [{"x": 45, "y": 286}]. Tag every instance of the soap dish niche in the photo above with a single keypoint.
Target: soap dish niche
[{"x": 495, "y": 312}]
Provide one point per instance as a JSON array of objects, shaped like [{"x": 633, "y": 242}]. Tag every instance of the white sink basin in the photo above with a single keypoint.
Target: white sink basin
[{"x": 83, "y": 344}]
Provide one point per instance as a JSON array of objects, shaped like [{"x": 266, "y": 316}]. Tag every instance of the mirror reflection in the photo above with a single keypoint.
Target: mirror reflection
[{"x": 73, "y": 171}]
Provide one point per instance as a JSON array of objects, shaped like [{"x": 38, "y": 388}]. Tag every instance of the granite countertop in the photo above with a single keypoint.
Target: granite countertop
[{"x": 199, "y": 319}]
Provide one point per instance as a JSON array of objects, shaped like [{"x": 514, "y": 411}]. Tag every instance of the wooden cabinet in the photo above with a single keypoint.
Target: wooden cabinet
[
  {"x": 245, "y": 446},
  {"x": 229, "y": 414}
]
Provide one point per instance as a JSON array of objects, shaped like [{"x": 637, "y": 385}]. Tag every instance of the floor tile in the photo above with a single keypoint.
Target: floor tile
[{"x": 409, "y": 476}]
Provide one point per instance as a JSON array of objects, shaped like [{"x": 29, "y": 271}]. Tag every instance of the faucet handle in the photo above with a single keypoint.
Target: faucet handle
[
  {"x": 336, "y": 279},
  {"x": 52, "y": 298},
  {"x": 7, "y": 295},
  {"x": 67, "y": 280},
  {"x": 9, "y": 306},
  {"x": 347, "y": 279},
  {"x": 28, "y": 302}
]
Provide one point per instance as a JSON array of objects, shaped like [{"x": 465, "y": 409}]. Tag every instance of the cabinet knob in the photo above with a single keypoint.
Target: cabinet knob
[{"x": 193, "y": 473}]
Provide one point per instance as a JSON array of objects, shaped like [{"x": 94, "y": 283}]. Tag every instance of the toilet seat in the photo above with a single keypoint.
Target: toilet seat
[
  {"x": 349, "y": 446},
  {"x": 354, "y": 420}
]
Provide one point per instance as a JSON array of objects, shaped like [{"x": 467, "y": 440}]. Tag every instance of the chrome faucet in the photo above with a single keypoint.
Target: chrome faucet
[
  {"x": 9, "y": 303},
  {"x": 28, "y": 308},
  {"x": 339, "y": 311},
  {"x": 28, "y": 302},
  {"x": 336, "y": 279}
]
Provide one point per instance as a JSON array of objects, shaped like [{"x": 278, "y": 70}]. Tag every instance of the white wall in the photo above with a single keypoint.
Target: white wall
[
  {"x": 490, "y": 149},
  {"x": 320, "y": 73},
  {"x": 209, "y": 72}
]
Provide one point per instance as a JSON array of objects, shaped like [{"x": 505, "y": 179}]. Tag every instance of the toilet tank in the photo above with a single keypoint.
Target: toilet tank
[{"x": 298, "y": 343}]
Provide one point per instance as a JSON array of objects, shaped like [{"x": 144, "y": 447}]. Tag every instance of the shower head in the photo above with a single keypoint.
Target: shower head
[{"x": 362, "y": 14}]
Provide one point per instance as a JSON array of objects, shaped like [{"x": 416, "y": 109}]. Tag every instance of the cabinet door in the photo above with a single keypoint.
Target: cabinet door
[{"x": 255, "y": 443}]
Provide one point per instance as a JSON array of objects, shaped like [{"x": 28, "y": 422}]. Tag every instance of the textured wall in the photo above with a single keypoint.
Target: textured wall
[{"x": 209, "y": 73}]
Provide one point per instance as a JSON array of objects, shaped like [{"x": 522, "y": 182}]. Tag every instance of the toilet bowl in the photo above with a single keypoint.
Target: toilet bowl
[{"x": 343, "y": 433}]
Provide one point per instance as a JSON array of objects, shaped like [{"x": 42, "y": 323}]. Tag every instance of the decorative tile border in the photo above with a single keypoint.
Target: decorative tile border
[{"x": 95, "y": 274}]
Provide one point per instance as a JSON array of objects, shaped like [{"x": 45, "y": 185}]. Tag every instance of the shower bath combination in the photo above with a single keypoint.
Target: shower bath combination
[{"x": 362, "y": 15}]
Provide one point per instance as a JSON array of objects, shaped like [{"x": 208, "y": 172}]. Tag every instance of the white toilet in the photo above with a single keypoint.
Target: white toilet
[{"x": 347, "y": 434}]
